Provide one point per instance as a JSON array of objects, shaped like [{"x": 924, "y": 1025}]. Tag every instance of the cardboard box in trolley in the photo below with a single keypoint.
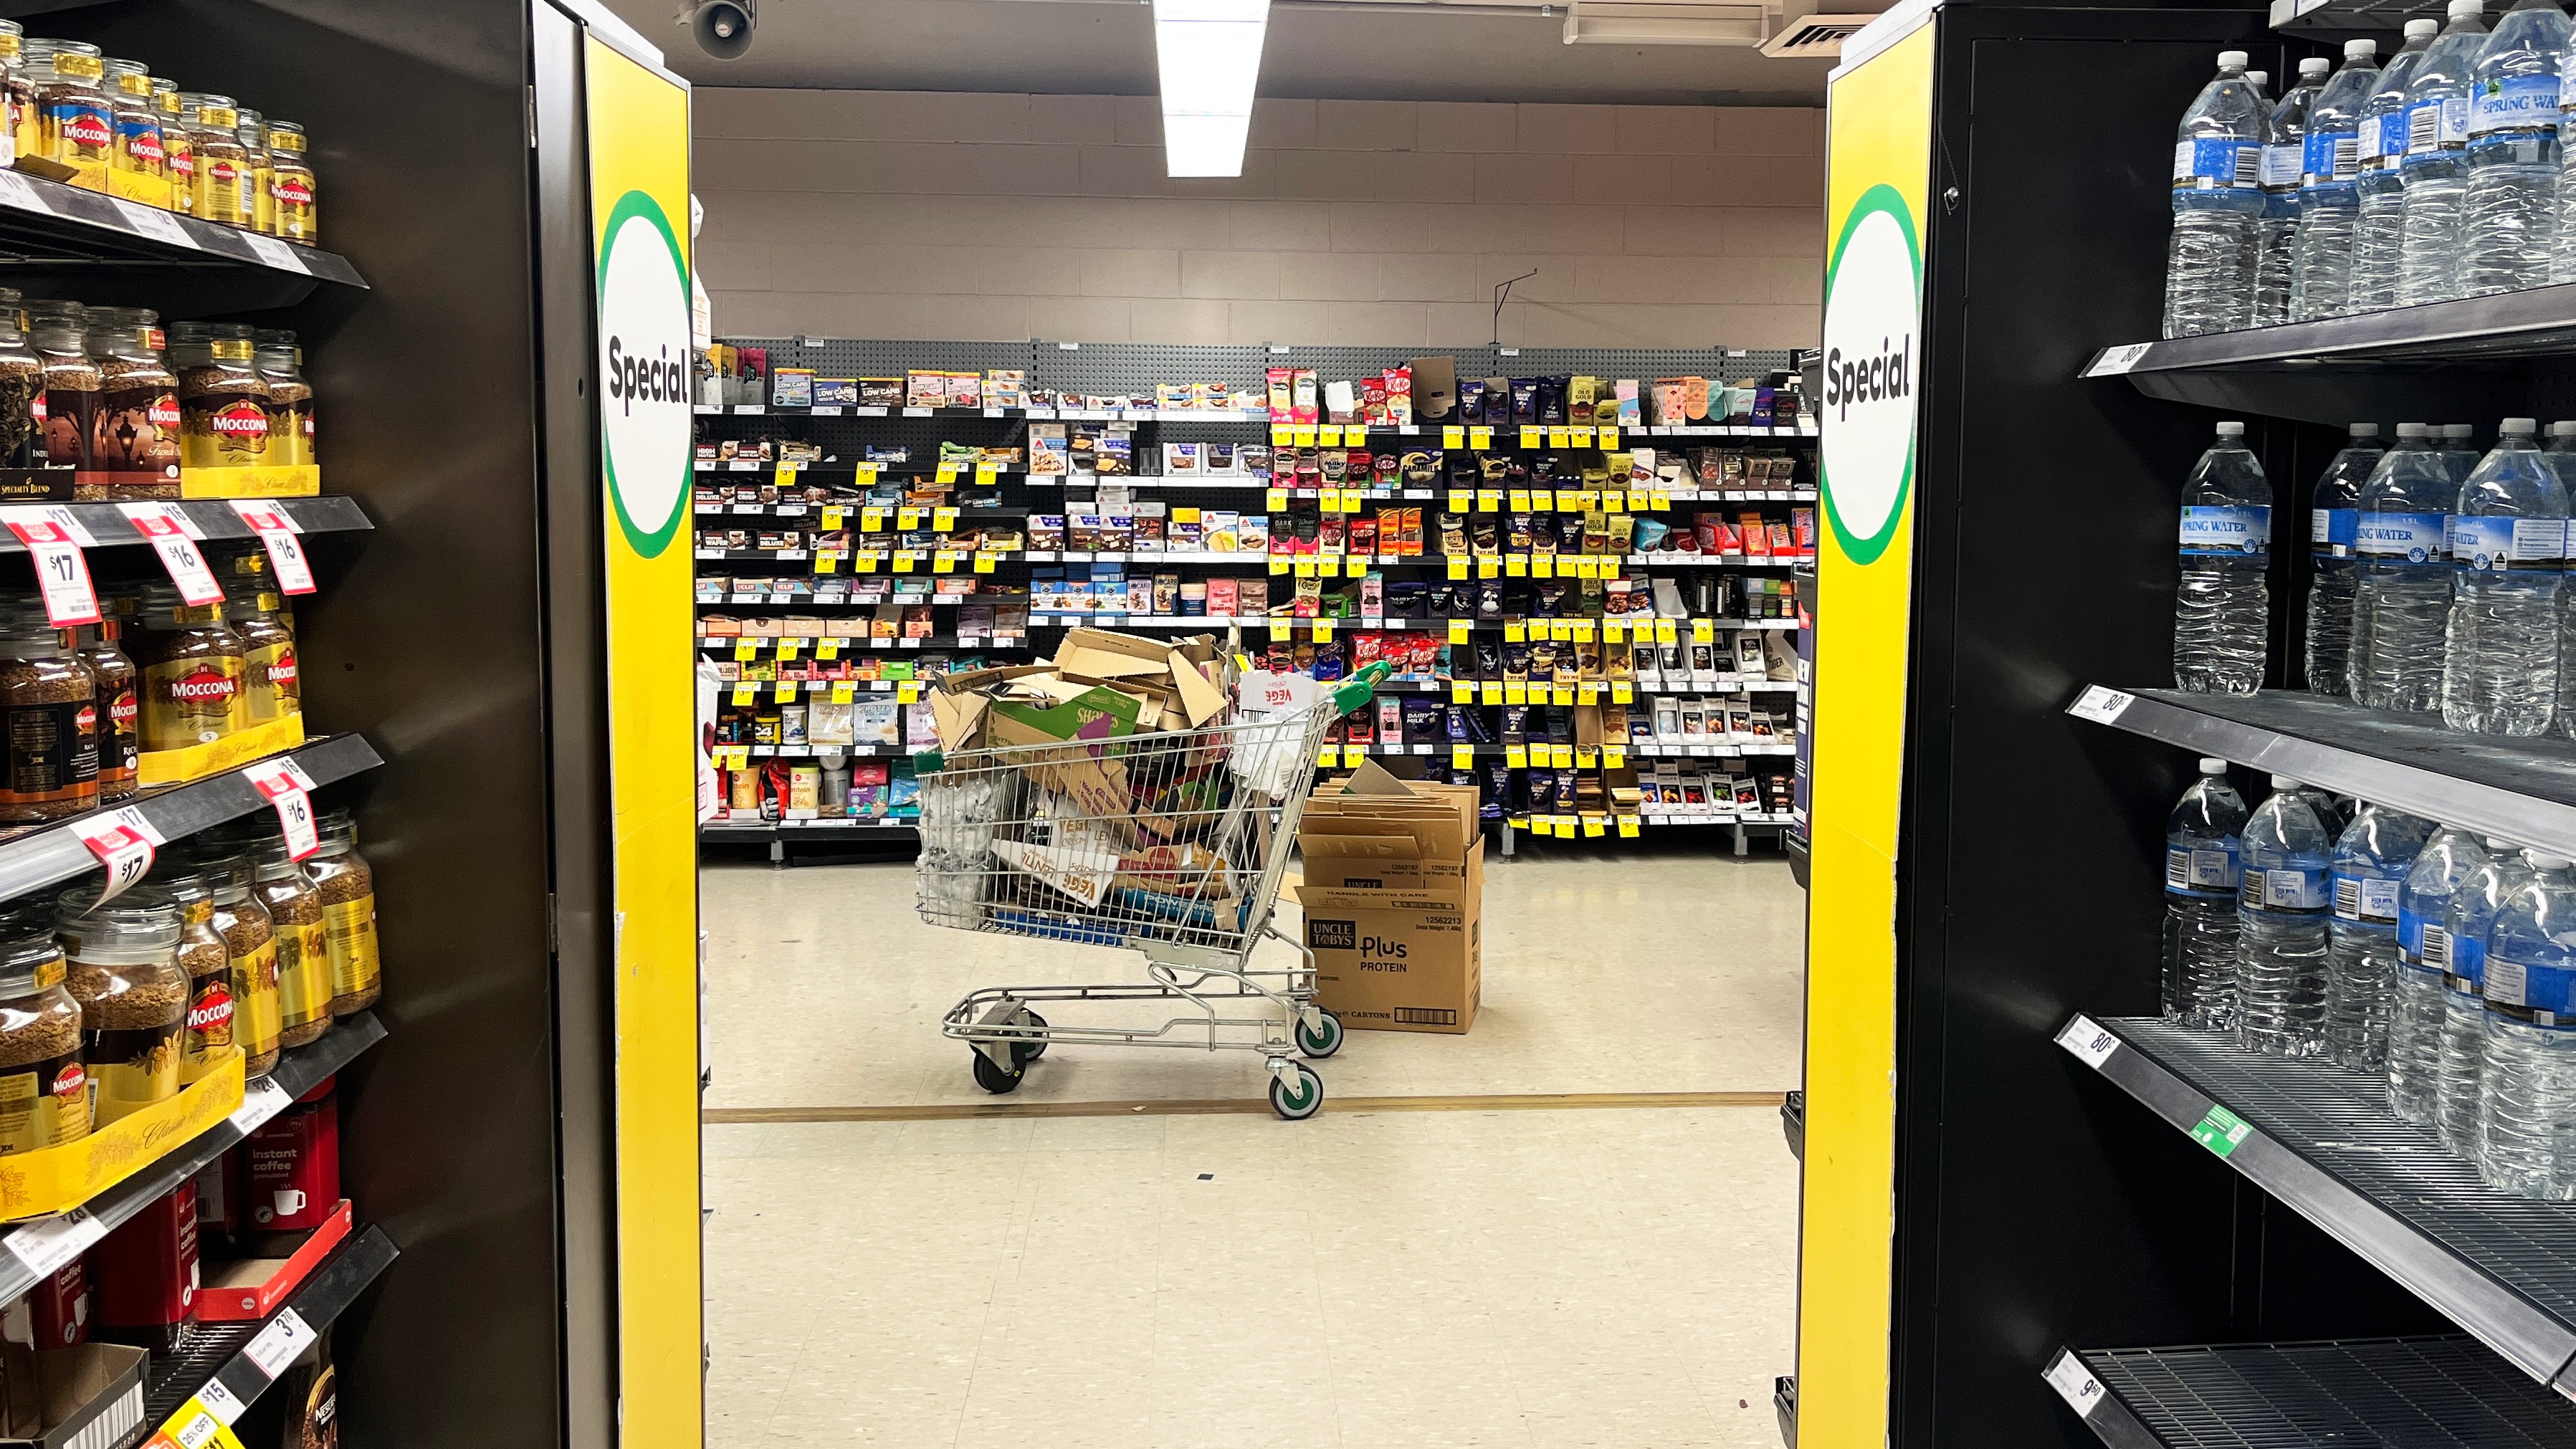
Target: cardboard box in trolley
[{"x": 1393, "y": 901}]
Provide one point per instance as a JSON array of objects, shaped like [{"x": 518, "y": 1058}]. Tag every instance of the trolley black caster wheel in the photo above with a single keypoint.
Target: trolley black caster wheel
[
  {"x": 1301, "y": 1101},
  {"x": 1029, "y": 1051},
  {"x": 1322, "y": 1040},
  {"x": 993, "y": 1077}
]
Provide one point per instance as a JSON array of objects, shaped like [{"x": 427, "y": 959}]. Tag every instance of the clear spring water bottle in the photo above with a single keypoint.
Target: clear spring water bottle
[
  {"x": 2276, "y": 240},
  {"x": 2436, "y": 166},
  {"x": 2512, "y": 202},
  {"x": 2334, "y": 530},
  {"x": 2371, "y": 859},
  {"x": 2281, "y": 927},
  {"x": 2562, "y": 249},
  {"x": 2464, "y": 1004},
  {"x": 2330, "y": 187},
  {"x": 2560, "y": 454},
  {"x": 2508, "y": 540},
  {"x": 2335, "y": 812},
  {"x": 2423, "y": 955},
  {"x": 2203, "y": 872},
  {"x": 2527, "y": 1099},
  {"x": 2380, "y": 229},
  {"x": 2217, "y": 203},
  {"x": 2222, "y": 608},
  {"x": 2405, "y": 595}
]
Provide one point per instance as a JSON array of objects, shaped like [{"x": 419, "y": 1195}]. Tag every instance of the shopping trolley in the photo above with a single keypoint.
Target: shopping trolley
[{"x": 1172, "y": 844}]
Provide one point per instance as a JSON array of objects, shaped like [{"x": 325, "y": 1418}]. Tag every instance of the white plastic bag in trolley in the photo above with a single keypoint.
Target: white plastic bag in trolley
[{"x": 1271, "y": 761}]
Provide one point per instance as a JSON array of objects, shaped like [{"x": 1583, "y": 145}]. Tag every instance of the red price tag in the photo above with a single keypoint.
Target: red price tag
[
  {"x": 173, "y": 535},
  {"x": 284, "y": 784},
  {"x": 285, "y": 551},
  {"x": 53, "y": 540},
  {"x": 124, "y": 842}
]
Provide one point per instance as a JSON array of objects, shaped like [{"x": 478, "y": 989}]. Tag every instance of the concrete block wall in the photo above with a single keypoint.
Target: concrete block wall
[{"x": 1370, "y": 223}]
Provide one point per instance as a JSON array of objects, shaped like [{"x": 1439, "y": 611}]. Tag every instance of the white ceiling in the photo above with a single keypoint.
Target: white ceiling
[{"x": 1343, "y": 49}]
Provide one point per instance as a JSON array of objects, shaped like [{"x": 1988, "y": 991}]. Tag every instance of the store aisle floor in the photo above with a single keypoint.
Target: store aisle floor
[
  {"x": 1523, "y": 1278},
  {"x": 1662, "y": 971}
]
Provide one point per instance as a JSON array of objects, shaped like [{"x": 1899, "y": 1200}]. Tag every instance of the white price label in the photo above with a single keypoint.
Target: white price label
[
  {"x": 153, "y": 222},
  {"x": 2117, "y": 360},
  {"x": 124, "y": 843},
  {"x": 262, "y": 1099},
  {"x": 61, "y": 573},
  {"x": 17, "y": 191},
  {"x": 2088, "y": 1040},
  {"x": 286, "y": 1336},
  {"x": 223, "y": 1403},
  {"x": 285, "y": 550},
  {"x": 46, "y": 1246},
  {"x": 276, "y": 253},
  {"x": 2075, "y": 1384},
  {"x": 173, "y": 535},
  {"x": 2102, "y": 706},
  {"x": 284, "y": 784}
]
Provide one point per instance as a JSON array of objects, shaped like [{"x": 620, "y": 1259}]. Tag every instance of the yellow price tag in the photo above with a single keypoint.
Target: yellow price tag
[
  {"x": 871, "y": 520},
  {"x": 1480, "y": 438},
  {"x": 1639, "y": 500},
  {"x": 1278, "y": 500},
  {"x": 1462, "y": 757},
  {"x": 1492, "y": 691},
  {"x": 1627, "y": 827},
  {"x": 786, "y": 690},
  {"x": 1328, "y": 436},
  {"x": 907, "y": 518},
  {"x": 827, "y": 649},
  {"x": 1592, "y": 825},
  {"x": 943, "y": 519},
  {"x": 746, "y": 694},
  {"x": 1540, "y": 500},
  {"x": 1614, "y": 757},
  {"x": 1703, "y": 631},
  {"x": 827, "y": 562},
  {"x": 1282, "y": 435},
  {"x": 1323, "y": 631},
  {"x": 1582, "y": 435},
  {"x": 987, "y": 474},
  {"x": 843, "y": 691},
  {"x": 1661, "y": 498},
  {"x": 1516, "y": 693},
  {"x": 944, "y": 561},
  {"x": 908, "y": 692},
  {"x": 832, "y": 515},
  {"x": 1517, "y": 565},
  {"x": 1569, "y": 500},
  {"x": 1489, "y": 500},
  {"x": 1613, "y": 632},
  {"x": 1460, "y": 500},
  {"x": 1561, "y": 629},
  {"x": 865, "y": 563},
  {"x": 949, "y": 469},
  {"x": 1586, "y": 757},
  {"x": 1564, "y": 756},
  {"x": 1516, "y": 757},
  {"x": 1305, "y": 568},
  {"x": 1533, "y": 437},
  {"x": 1582, "y": 631},
  {"x": 1462, "y": 691},
  {"x": 1542, "y": 565},
  {"x": 1565, "y": 827},
  {"x": 1282, "y": 630},
  {"x": 1328, "y": 756},
  {"x": 1609, "y": 438},
  {"x": 1613, "y": 501},
  {"x": 732, "y": 757},
  {"x": 903, "y": 560},
  {"x": 1516, "y": 633},
  {"x": 1453, "y": 437},
  {"x": 790, "y": 648},
  {"x": 1458, "y": 631},
  {"x": 984, "y": 563},
  {"x": 1457, "y": 565},
  {"x": 1278, "y": 563},
  {"x": 1666, "y": 633},
  {"x": 1560, "y": 438},
  {"x": 1623, "y": 693},
  {"x": 787, "y": 472},
  {"x": 1560, "y": 694},
  {"x": 1520, "y": 500},
  {"x": 1305, "y": 435},
  {"x": 747, "y": 649},
  {"x": 1329, "y": 566}
]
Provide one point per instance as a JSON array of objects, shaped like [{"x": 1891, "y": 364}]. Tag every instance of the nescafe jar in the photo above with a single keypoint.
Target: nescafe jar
[
  {"x": 192, "y": 672},
  {"x": 49, "y": 720}
]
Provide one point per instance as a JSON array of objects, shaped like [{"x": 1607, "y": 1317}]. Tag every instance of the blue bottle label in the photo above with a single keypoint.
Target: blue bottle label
[
  {"x": 2414, "y": 537},
  {"x": 2220, "y": 164},
  {"x": 2334, "y": 531},
  {"x": 2242, "y": 529},
  {"x": 2547, "y": 991},
  {"x": 2296, "y": 886},
  {"x": 2515, "y": 103},
  {"x": 2387, "y": 137},
  {"x": 2369, "y": 901},
  {"x": 2468, "y": 966},
  {"x": 2208, "y": 868},
  {"x": 2491, "y": 544},
  {"x": 2331, "y": 156}
]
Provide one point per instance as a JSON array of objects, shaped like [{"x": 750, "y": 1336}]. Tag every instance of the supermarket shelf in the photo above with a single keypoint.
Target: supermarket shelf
[
  {"x": 45, "y": 225},
  {"x": 1106, "y": 619},
  {"x": 2522, "y": 790},
  {"x": 1247, "y": 560},
  {"x": 40, "y": 1246},
  {"x": 751, "y": 830},
  {"x": 239, "y": 1356},
  {"x": 331, "y": 513},
  {"x": 2334, "y": 1394},
  {"x": 804, "y": 509},
  {"x": 2302, "y": 16},
  {"x": 2322, "y": 1140},
  {"x": 1504, "y": 436},
  {"x": 51, "y": 854},
  {"x": 961, "y": 473}
]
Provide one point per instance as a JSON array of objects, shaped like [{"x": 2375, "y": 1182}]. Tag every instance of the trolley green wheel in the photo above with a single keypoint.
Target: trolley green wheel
[
  {"x": 1321, "y": 1040},
  {"x": 1029, "y": 1051},
  {"x": 993, "y": 1077},
  {"x": 1300, "y": 1102}
]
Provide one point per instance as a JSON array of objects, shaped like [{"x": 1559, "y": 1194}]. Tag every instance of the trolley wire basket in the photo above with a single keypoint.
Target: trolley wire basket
[{"x": 1172, "y": 844}]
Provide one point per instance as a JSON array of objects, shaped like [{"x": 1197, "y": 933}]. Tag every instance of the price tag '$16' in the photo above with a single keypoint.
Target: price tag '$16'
[
  {"x": 285, "y": 550},
  {"x": 284, "y": 784},
  {"x": 174, "y": 536},
  {"x": 124, "y": 843},
  {"x": 53, "y": 541}
]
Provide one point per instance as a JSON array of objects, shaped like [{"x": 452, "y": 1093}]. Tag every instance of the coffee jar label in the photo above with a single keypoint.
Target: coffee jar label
[
  {"x": 131, "y": 1068},
  {"x": 256, "y": 1016},
  {"x": 210, "y": 1019},
  {"x": 134, "y": 436},
  {"x": 68, "y": 417},
  {"x": 52, "y": 753},
  {"x": 303, "y": 973},
  {"x": 352, "y": 925},
  {"x": 272, "y": 688},
  {"x": 189, "y": 701},
  {"x": 44, "y": 1104}
]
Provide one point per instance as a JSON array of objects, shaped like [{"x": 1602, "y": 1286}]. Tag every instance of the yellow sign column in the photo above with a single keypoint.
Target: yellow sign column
[
  {"x": 639, "y": 194},
  {"x": 1878, "y": 124}
]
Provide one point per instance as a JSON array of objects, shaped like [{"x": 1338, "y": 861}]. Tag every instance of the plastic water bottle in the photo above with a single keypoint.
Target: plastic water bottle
[
  {"x": 2527, "y": 1101},
  {"x": 2423, "y": 956},
  {"x": 2276, "y": 240},
  {"x": 2217, "y": 203},
  {"x": 2562, "y": 250},
  {"x": 2381, "y": 230},
  {"x": 2335, "y": 812},
  {"x": 2281, "y": 927},
  {"x": 2464, "y": 1003},
  {"x": 2508, "y": 540},
  {"x": 2458, "y": 445},
  {"x": 2437, "y": 160},
  {"x": 2334, "y": 530},
  {"x": 2330, "y": 187},
  {"x": 2203, "y": 872},
  {"x": 2371, "y": 859},
  {"x": 2222, "y": 609},
  {"x": 2513, "y": 151},
  {"x": 2405, "y": 595}
]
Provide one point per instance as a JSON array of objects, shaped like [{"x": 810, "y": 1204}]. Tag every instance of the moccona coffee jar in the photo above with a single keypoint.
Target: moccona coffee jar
[
  {"x": 208, "y": 1033},
  {"x": 258, "y": 208},
  {"x": 178, "y": 145},
  {"x": 214, "y": 139},
  {"x": 76, "y": 124},
  {"x": 49, "y": 719},
  {"x": 67, "y": 409},
  {"x": 114, "y": 681},
  {"x": 290, "y": 184},
  {"x": 141, "y": 164},
  {"x": 123, "y": 969},
  {"x": 44, "y": 1086},
  {"x": 348, "y": 887},
  {"x": 134, "y": 440},
  {"x": 23, "y": 468},
  {"x": 250, "y": 950},
  {"x": 223, "y": 400},
  {"x": 192, "y": 668},
  {"x": 16, "y": 91},
  {"x": 280, "y": 364},
  {"x": 271, "y": 687},
  {"x": 303, "y": 942}
]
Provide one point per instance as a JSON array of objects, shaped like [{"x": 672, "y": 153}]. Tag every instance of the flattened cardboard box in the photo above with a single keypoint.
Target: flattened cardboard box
[{"x": 1397, "y": 959}]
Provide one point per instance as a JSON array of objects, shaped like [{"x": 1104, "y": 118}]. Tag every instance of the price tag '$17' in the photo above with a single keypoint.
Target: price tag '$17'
[
  {"x": 173, "y": 535},
  {"x": 285, "y": 550},
  {"x": 53, "y": 541},
  {"x": 124, "y": 843},
  {"x": 284, "y": 784}
]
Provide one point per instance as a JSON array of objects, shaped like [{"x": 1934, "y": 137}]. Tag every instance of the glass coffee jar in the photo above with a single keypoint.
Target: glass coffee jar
[
  {"x": 303, "y": 944},
  {"x": 271, "y": 688},
  {"x": 208, "y": 1034},
  {"x": 290, "y": 185},
  {"x": 192, "y": 669},
  {"x": 259, "y": 209},
  {"x": 140, "y": 153},
  {"x": 123, "y": 969},
  {"x": 78, "y": 127},
  {"x": 67, "y": 409},
  {"x": 223, "y": 400},
  {"x": 44, "y": 1086},
  {"x": 18, "y": 121},
  {"x": 348, "y": 886},
  {"x": 290, "y": 397},
  {"x": 49, "y": 719},
  {"x": 22, "y": 390},
  {"x": 250, "y": 952},
  {"x": 113, "y": 682},
  {"x": 214, "y": 140},
  {"x": 178, "y": 146},
  {"x": 134, "y": 441}
]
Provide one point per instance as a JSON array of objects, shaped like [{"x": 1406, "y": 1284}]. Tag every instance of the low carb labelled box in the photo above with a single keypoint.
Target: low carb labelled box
[{"x": 1394, "y": 901}]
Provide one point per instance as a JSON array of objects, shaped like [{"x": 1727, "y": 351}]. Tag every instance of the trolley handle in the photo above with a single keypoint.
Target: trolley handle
[{"x": 1358, "y": 689}]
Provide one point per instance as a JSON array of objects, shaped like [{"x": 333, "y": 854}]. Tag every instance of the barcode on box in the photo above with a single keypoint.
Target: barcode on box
[{"x": 1426, "y": 1016}]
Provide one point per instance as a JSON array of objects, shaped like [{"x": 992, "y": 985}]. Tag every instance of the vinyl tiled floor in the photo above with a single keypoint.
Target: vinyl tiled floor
[{"x": 1395, "y": 1278}]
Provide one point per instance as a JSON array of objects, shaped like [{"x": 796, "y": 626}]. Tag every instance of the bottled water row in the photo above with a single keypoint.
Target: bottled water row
[
  {"x": 2439, "y": 576},
  {"x": 2439, "y": 175},
  {"x": 2417, "y": 952}
]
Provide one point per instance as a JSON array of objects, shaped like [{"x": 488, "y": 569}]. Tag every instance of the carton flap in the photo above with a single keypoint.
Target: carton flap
[
  {"x": 1103, "y": 655},
  {"x": 1372, "y": 778},
  {"x": 1201, "y": 701},
  {"x": 1367, "y": 847}
]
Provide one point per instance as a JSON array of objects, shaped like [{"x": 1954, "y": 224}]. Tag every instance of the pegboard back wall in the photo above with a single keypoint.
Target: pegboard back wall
[{"x": 861, "y": 357}]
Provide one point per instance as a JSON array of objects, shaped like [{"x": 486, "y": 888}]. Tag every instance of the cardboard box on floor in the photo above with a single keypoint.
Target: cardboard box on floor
[{"x": 1393, "y": 900}]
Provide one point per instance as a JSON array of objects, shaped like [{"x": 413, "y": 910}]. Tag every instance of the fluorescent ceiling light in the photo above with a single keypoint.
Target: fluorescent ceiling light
[{"x": 1209, "y": 52}]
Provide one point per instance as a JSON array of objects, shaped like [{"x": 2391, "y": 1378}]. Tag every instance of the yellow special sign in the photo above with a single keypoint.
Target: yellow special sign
[
  {"x": 1878, "y": 124},
  {"x": 639, "y": 186}
]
